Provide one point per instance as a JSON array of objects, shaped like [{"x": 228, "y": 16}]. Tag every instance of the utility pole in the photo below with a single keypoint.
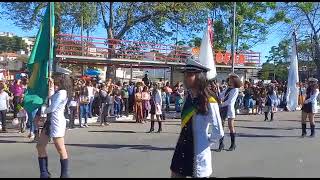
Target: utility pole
[
  {"x": 50, "y": 66},
  {"x": 233, "y": 36},
  {"x": 274, "y": 68},
  {"x": 81, "y": 32}
]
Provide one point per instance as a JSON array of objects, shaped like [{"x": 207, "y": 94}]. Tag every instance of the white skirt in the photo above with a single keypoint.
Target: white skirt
[
  {"x": 158, "y": 110},
  {"x": 58, "y": 128}
]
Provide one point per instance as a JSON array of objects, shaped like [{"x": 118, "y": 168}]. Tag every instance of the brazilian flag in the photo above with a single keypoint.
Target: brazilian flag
[{"x": 38, "y": 64}]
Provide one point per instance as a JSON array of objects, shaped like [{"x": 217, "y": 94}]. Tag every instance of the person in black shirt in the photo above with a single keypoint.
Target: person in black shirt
[{"x": 146, "y": 80}]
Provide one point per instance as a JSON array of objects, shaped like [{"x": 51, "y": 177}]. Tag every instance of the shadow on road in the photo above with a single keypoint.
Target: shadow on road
[
  {"x": 13, "y": 142},
  {"x": 118, "y": 146},
  {"x": 270, "y": 128},
  {"x": 264, "y": 136},
  {"x": 113, "y": 131},
  {"x": 12, "y": 136},
  {"x": 243, "y": 120},
  {"x": 248, "y": 177},
  {"x": 267, "y": 128},
  {"x": 172, "y": 124}
]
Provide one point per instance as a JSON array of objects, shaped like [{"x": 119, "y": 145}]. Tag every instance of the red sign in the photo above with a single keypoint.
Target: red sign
[{"x": 224, "y": 58}]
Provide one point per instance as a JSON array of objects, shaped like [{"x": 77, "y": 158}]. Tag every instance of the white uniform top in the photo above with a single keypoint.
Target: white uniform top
[
  {"x": 4, "y": 99},
  {"x": 158, "y": 102},
  {"x": 90, "y": 92},
  {"x": 230, "y": 102},
  {"x": 313, "y": 100},
  {"x": 203, "y": 139},
  {"x": 56, "y": 108}
]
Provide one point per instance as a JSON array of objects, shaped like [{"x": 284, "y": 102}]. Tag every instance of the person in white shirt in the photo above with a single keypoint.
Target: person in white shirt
[
  {"x": 228, "y": 99},
  {"x": 192, "y": 156},
  {"x": 91, "y": 91},
  {"x": 309, "y": 108},
  {"x": 4, "y": 106},
  {"x": 156, "y": 106},
  {"x": 55, "y": 126}
]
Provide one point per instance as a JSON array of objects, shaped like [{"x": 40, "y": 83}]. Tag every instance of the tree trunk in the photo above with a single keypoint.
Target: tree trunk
[
  {"x": 317, "y": 55},
  {"x": 110, "y": 74}
]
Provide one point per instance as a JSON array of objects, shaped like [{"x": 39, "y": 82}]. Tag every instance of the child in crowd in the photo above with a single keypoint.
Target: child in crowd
[
  {"x": 22, "y": 117},
  {"x": 262, "y": 101},
  {"x": 73, "y": 107}
]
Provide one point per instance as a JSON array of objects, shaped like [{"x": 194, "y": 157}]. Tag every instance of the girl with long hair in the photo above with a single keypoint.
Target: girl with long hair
[
  {"x": 192, "y": 155},
  {"x": 84, "y": 102},
  {"x": 270, "y": 103},
  {"x": 156, "y": 107},
  {"x": 55, "y": 126},
  {"x": 309, "y": 108},
  {"x": 227, "y": 110}
]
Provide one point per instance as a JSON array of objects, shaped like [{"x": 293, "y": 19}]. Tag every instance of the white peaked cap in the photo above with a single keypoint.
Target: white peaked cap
[
  {"x": 195, "y": 66},
  {"x": 206, "y": 55},
  {"x": 313, "y": 79},
  {"x": 61, "y": 70},
  {"x": 234, "y": 74}
]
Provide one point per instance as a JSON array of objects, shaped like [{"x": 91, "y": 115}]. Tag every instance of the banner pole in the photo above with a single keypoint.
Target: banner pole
[{"x": 51, "y": 40}]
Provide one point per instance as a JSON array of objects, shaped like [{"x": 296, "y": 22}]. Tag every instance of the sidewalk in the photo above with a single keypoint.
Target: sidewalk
[
  {"x": 130, "y": 118},
  {"x": 94, "y": 120}
]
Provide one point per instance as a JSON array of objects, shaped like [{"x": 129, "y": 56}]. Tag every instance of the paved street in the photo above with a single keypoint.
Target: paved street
[{"x": 265, "y": 149}]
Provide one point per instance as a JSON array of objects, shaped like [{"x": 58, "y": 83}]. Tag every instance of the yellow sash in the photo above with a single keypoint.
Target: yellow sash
[{"x": 187, "y": 118}]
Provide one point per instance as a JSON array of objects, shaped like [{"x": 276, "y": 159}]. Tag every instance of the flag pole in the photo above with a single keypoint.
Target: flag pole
[
  {"x": 51, "y": 39},
  {"x": 51, "y": 6},
  {"x": 295, "y": 40},
  {"x": 233, "y": 36}
]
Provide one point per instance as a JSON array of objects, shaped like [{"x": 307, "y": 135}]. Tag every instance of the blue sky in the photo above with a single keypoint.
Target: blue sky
[{"x": 264, "y": 47}]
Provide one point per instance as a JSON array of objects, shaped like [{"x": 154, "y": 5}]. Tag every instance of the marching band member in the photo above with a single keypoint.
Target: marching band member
[
  {"x": 309, "y": 107},
  {"x": 227, "y": 108},
  {"x": 156, "y": 108},
  {"x": 55, "y": 126},
  {"x": 192, "y": 156},
  {"x": 271, "y": 103}
]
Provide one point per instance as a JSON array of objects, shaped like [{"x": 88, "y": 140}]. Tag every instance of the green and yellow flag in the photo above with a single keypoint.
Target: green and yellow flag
[{"x": 39, "y": 61}]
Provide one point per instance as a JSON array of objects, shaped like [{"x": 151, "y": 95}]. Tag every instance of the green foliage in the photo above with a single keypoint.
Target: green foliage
[
  {"x": 12, "y": 44},
  {"x": 279, "y": 71},
  {"x": 253, "y": 21},
  {"x": 28, "y": 15},
  {"x": 279, "y": 53},
  {"x": 195, "y": 42},
  {"x": 75, "y": 12},
  {"x": 154, "y": 21},
  {"x": 305, "y": 17},
  {"x": 157, "y": 22},
  {"x": 306, "y": 6}
]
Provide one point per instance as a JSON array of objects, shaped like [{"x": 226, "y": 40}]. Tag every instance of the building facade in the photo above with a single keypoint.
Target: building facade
[{"x": 7, "y": 34}]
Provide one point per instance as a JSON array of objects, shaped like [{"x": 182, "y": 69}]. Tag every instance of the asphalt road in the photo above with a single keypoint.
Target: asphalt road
[{"x": 264, "y": 149}]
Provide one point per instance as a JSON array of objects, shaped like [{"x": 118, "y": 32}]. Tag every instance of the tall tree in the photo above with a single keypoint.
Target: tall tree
[
  {"x": 12, "y": 44},
  {"x": 305, "y": 17},
  {"x": 279, "y": 53},
  {"x": 253, "y": 22}
]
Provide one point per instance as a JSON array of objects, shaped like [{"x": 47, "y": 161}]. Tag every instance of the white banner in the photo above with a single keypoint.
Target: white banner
[
  {"x": 293, "y": 79},
  {"x": 206, "y": 55}
]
